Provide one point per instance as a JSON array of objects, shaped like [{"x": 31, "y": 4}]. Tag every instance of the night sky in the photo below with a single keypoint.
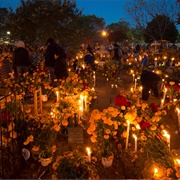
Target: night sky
[{"x": 111, "y": 10}]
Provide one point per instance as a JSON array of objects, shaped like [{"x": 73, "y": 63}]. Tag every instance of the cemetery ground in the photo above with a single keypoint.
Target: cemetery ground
[{"x": 105, "y": 96}]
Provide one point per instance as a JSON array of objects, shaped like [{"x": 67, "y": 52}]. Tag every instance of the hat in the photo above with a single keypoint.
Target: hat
[{"x": 20, "y": 44}]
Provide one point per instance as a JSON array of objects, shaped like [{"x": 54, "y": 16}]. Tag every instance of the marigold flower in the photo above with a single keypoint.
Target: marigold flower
[
  {"x": 106, "y": 136},
  {"x": 13, "y": 134},
  {"x": 172, "y": 83},
  {"x": 93, "y": 139},
  {"x": 35, "y": 148},
  {"x": 108, "y": 131},
  {"x": 57, "y": 127},
  {"x": 65, "y": 122}
]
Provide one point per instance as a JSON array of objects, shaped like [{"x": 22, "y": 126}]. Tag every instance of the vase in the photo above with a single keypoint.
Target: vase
[
  {"x": 45, "y": 161},
  {"x": 107, "y": 161},
  {"x": 44, "y": 97}
]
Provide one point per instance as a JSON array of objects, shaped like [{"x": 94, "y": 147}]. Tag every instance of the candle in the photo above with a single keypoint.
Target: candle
[
  {"x": 94, "y": 76},
  {"x": 135, "y": 84},
  {"x": 162, "y": 103},
  {"x": 57, "y": 94},
  {"x": 133, "y": 77},
  {"x": 116, "y": 86},
  {"x": 135, "y": 142},
  {"x": 178, "y": 113},
  {"x": 112, "y": 85},
  {"x": 168, "y": 137},
  {"x": 127, "y": 138},
  {"x": 164, "y": 96},
  {"x": 107, "y": 79},
  {"x": 82, "y": 99},
  {"x": 89, "y": 154},
  {"x": 155, "y": 172},
  {"x": 85, "y": 102},
  {"x": 132, "y": 90},
  {"x": 162, "y": 83}
]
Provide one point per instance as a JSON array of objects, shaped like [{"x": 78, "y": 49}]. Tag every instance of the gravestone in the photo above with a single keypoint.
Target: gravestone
[{"x": 75, "y": 135}]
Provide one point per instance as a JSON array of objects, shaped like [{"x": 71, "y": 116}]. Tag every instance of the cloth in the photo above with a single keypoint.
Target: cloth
[
  {"x": 60, "y": 68},
  {"x": 149, "y": 81}
]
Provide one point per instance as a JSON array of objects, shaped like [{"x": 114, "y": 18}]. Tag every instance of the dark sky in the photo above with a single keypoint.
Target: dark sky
[{"x": 110, "y": 10}]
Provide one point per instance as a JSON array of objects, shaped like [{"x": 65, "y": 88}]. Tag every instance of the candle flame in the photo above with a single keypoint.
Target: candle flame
[
  {"x": 88, "y": 151},
  {"x": 155, "y": 170},
  {"x": 135, "y": 137}
]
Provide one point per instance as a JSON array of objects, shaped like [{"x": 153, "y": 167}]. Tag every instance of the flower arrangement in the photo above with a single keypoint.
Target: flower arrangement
[
  {"x": 103, "y": 128},
  {"x": 73, "y": 165},
  {"x": 173, "y": 89},
  {"x": 109, "y": 69},
  {"x": 41, "y": 133}
]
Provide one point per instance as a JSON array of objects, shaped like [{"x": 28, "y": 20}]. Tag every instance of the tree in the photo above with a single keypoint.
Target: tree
[
  {"x": 118, "y": 32},
  {"x": 143, "y": 12},
  {"x": 3, "y": 16},
  {"x": 160, "y": 28},
  {"x": 38, "y": 20}
]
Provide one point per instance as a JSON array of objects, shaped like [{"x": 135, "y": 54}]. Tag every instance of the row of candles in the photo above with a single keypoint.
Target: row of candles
[{"x": 135, "y": 137}]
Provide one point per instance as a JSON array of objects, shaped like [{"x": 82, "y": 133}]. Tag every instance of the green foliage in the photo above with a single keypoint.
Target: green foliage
[{"x": 161, "y": 27}]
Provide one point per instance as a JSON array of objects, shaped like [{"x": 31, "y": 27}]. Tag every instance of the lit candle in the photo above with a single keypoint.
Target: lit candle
[
  {"x": 131, "y": 89},
  {"x": 155, "y": 172},
  {"x": 89, "y": 154},
  {"x": 112, "y": 85},
  {"x": 116, "y": 86},
  {"x": 81, "y": 102},
  {"x": 107, "y": 79},
  {"x": 164, "y": 96},
  {"x": 162, "y": 83},
  {"x": 135, "y": 142},
  {"x": 94, "y": 77},
  {"x": 178, "y": 114},
  {"x": 127, "y": 138},
  {"x": 57, "y": 94},
  {"x": 162, "y": 103},
  {"x": 168, "y": 137}
]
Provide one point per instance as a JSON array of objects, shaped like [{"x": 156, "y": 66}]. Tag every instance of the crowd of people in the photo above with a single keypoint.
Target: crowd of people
[{"x": 57, "y": 59}]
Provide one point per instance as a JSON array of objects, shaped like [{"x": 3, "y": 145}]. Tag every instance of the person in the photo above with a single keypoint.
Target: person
[
  {"x": 21, "y": 58},
  {"x": 144, "y": 61},
  {"x": 60, "y": 68},
  {"x": 117, "y": 54},
  {"x": 149, "y": 80},
  {"x": 89, "y": 58},
  {"x": 49, "y": 58}
]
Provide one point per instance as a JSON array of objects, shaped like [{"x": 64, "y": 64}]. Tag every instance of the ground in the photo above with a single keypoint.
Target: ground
[{"x": 105, "y": 96}]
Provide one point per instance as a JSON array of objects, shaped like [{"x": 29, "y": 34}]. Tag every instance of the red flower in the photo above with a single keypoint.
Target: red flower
[
  {"x": 144, "y": 125},
  {"x": 176, "y": 87},
  {"x": 153, "y": 107},
  {"x": 167, "y": 85},
  {"x": 85, "y": 86},
  {"x": 44, "y": 68},
  {"x": 121, "y": 101},
  {"x": 5, "y": 116}
]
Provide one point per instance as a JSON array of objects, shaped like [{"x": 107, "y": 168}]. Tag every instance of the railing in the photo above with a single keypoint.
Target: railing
[{"x": 11, "y": 129}]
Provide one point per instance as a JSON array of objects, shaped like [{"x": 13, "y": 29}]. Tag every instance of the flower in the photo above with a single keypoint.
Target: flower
[
  {"x": 144, "y": 125},
  {"x": 73, "y": 165},
  {"x": 153, "y": 107},
  {"x": 121, "y": 101}
]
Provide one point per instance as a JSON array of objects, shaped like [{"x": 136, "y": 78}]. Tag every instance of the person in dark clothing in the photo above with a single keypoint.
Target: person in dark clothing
[
  {"x": 52, "y": 47},
  {"x": 89, "y": 59},
  {"x": 149, "y": 80},
  {"x": 60, "y": 68},
  {"x": 21, "y": 59}
]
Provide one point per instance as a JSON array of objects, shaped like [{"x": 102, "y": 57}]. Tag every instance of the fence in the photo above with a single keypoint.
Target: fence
[{"x": 11, "y": 129}]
